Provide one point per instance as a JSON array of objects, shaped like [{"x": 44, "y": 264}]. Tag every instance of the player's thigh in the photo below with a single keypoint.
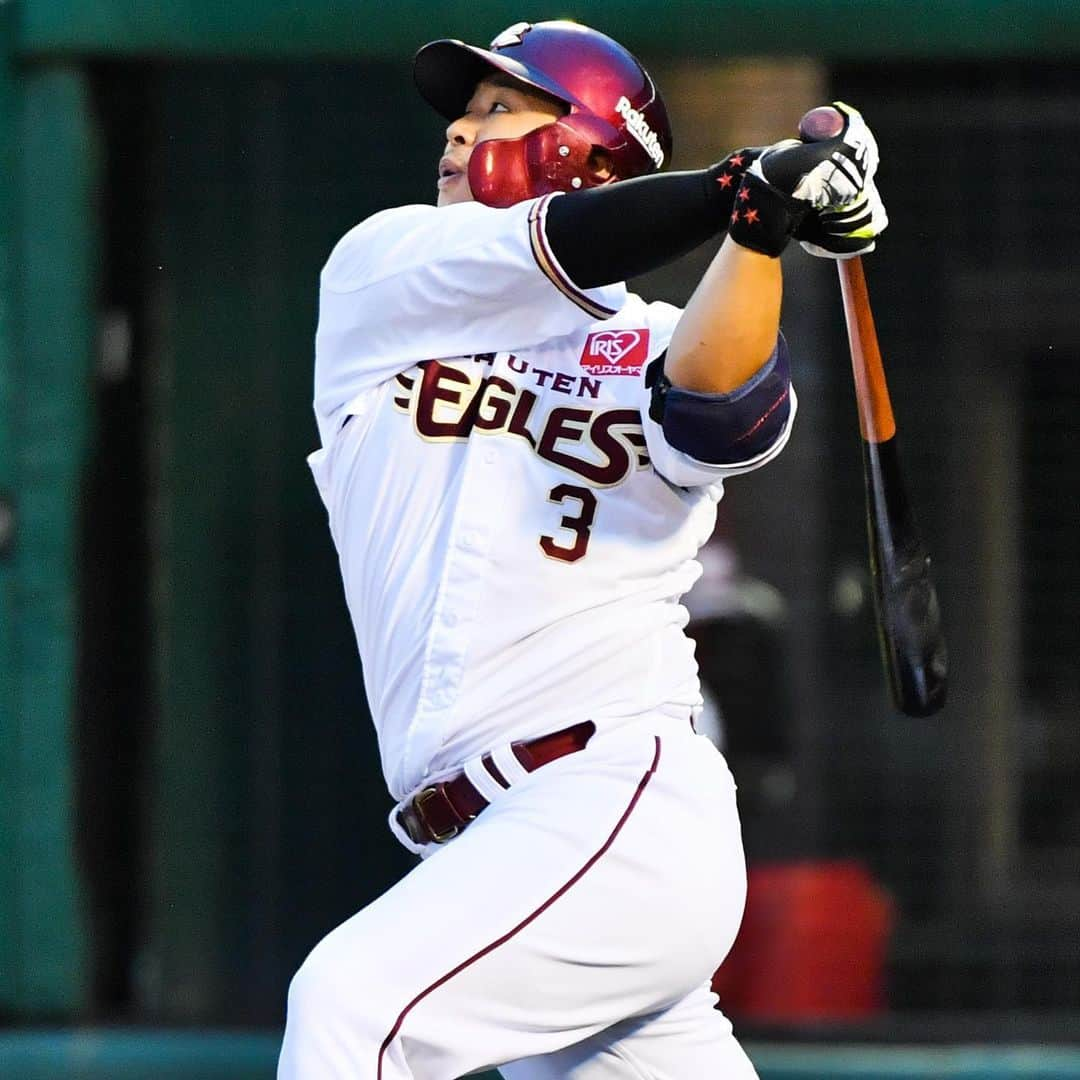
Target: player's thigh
[
  {"x": 600, "y": 887},
  {"x": 689, "y": 1039},
  {"x": 463, "y": 963}
]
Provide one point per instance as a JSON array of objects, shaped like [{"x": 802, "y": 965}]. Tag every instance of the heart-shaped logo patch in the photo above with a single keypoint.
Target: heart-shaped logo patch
[{"x": 615, "y": 352}]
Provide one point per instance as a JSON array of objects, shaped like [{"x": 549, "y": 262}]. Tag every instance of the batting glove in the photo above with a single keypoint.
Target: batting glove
[
  {"x": 846, "y": 231},
  {"x": 792, "y": 178}
]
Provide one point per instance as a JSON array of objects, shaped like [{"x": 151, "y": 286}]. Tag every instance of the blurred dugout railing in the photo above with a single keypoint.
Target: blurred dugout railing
[{"x": 188, "y": 795}]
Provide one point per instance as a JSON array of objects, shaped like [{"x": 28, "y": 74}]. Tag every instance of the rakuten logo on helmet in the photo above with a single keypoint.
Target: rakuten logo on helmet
[
  {"x": 638, "y": 126},
  {"x": 615, "y": 352}
]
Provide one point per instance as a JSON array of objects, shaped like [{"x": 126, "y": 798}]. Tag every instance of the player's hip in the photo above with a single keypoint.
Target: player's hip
[
  {"x": 643, "y": 820},
  {"x": 587, "y": 764}
]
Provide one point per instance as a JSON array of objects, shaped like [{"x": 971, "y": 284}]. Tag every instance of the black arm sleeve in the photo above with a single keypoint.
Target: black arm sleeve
[{"x": 611, "y": 233}]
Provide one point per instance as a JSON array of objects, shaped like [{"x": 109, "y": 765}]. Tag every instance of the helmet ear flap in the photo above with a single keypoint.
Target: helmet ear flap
[
  {"x": 555, "y": 157},
  {"x": 601, "y": 136}
]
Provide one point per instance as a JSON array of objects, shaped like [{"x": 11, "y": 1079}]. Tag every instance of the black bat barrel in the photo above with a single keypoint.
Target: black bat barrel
[{"x": 909, "y": 618}]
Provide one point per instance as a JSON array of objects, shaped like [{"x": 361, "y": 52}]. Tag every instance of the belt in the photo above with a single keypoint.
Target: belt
[{"x": 439, "y": 812}]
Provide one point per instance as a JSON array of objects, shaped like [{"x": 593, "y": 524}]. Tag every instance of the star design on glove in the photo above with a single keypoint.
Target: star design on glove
[
  {"x": 750, "y": 217},
  {"x": 724, "y": 180},
  {"x": 734, "y": 216},
  {"x": 743, "y": 195},
  {"x": 736, "y": 160}
]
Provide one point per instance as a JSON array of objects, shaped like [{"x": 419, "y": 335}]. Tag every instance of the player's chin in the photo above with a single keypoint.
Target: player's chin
[{"x": 454, "y": 189}]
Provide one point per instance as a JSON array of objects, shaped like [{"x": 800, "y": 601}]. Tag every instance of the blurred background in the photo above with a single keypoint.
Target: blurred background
[{"x": 189, "y": 792}]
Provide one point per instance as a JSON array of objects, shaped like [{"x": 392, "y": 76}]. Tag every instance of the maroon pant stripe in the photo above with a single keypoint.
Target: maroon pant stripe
[{"x": 529, "y": 918}]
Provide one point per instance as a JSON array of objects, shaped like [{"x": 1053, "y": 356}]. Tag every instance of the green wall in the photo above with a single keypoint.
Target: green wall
[
  {"x": 8, "y": 744},
  {"x": 852, "y": 29},
  {"x": 45, "y": 356}
]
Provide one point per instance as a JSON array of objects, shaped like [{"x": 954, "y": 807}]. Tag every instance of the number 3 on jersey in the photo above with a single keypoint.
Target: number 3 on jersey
[{"x": 578, "y": 524}]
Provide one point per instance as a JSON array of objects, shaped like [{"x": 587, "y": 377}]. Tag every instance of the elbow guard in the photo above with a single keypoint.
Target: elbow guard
[{"x": 723, "y": 429}]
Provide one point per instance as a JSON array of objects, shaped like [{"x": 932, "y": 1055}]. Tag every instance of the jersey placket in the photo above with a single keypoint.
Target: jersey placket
[{"x": 454, "y": 624}]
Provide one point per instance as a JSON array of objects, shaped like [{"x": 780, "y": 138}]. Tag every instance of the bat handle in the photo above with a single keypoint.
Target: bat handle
[
  {"x": 871, "y": 390},
  {"x": 876, "y": 420}
]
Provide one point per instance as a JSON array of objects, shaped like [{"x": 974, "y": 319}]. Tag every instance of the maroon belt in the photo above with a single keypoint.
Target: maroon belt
[{"x": 441, "y": 811}]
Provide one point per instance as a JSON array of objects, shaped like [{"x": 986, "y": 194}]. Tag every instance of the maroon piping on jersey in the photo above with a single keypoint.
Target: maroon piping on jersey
[
  {"x": 549, "y": 265},
  {"x": 649, "y": 773}
]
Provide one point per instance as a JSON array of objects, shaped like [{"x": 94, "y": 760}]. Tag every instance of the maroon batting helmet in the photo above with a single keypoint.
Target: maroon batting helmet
[{"x": 612, "y": 105}]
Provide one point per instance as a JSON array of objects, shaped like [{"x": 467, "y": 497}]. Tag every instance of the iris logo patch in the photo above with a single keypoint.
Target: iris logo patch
[{"x": 615, "y": 352}]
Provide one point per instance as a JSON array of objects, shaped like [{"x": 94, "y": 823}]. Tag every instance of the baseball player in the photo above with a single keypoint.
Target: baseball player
[{"x": 520, "y": 460}]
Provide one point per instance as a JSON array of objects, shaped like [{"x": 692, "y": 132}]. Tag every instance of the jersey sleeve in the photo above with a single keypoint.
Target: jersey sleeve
[
  {"x": 674, "y": 465},
  {"x": 424, "y": 282}
]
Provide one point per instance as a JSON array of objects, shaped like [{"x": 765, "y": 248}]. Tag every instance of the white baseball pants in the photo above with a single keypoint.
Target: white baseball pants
[{"x": 570, "y": 931}]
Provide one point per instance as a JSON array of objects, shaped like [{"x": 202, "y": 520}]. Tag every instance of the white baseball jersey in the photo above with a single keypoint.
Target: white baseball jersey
[{"x": 514, "y": 532}]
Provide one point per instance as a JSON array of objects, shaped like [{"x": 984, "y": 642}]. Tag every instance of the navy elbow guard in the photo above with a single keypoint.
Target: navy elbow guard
[{"x": 723, "y": 429}]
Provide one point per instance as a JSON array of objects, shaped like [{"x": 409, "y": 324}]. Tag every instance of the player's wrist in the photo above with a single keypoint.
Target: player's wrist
[
  {"x": 722, "y": 181},
  {"x": 764, "y": 218}
]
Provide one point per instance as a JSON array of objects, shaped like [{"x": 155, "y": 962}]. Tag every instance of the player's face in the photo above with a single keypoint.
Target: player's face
[{"x": 498, "y": 109}]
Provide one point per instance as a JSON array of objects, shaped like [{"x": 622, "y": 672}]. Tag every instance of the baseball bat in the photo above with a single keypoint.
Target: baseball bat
[{"x": 905, "y": 600}]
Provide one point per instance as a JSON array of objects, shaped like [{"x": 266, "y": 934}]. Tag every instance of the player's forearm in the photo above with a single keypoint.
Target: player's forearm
[
  {"x": 612, "y": 233},
  {"x": 729, "y": 327}
]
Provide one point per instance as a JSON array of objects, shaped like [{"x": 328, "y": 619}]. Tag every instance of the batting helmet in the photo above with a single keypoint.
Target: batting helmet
[{"x": 612, "y": 105}]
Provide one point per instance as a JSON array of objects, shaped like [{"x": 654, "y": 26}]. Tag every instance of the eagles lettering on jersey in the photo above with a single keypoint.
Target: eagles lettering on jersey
[
  {"x": 502, "y": 504},
  {"x": 448, "y": 402}
]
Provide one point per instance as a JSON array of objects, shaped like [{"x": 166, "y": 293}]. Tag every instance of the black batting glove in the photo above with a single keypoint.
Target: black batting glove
[{"x": 792, "y": 178}]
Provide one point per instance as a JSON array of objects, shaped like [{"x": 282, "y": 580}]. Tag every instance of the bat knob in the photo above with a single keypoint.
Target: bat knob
[{"x": 820, "y": 124}]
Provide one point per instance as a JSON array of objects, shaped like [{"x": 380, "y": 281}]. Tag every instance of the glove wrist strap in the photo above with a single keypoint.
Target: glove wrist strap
[
  {"x": 722, "y": 181},
  {"x": 763, "y": 217}
]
